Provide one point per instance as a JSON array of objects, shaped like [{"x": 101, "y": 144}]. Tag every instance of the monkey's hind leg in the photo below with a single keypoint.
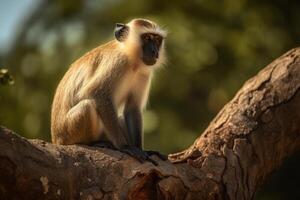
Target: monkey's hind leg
[
  {"x": 82, "y": 123},
  {"x": 104, "y": 141}
]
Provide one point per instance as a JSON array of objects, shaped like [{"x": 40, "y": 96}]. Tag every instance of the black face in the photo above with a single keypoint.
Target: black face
[{"x": 151, "y": 44}]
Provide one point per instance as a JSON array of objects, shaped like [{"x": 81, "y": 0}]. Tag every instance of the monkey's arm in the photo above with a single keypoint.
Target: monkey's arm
[
  {"x": 133, "y": 121},
  {"x": 108, "y": 115},
  {"x": 119, "y": 137}
]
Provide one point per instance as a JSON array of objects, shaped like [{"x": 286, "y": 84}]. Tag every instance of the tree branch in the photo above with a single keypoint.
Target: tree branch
[{"x": 248, "y": 139}]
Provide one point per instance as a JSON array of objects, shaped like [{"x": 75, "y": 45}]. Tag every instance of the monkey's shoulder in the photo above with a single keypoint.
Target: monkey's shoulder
[{"x": 106, "y": 54}]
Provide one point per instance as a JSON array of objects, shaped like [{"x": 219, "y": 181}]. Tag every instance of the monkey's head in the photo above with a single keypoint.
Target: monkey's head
[{"x": 144, "y": 38}]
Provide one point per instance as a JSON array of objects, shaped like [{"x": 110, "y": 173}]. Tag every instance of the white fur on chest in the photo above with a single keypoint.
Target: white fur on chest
[{"x": 134, "y": 82}]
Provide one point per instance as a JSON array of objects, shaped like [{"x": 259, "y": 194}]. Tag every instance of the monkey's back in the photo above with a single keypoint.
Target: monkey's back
[{"x": 74, "y": 81}]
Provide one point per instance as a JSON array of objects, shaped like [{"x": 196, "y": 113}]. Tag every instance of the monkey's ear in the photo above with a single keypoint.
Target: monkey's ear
[{"x": 121, "y": 32}]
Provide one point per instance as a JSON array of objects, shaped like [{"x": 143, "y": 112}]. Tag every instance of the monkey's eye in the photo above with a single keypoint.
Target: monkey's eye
[{"x": 158, "y": 40}]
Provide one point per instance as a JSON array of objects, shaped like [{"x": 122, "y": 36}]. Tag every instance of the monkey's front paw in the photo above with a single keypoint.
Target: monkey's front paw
[
  {"x": 160, "y": 155},
  {"x": 138, "y": 154}
]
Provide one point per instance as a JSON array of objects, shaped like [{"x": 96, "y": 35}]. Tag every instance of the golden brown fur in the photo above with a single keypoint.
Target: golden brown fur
[{"x": 113, "y": 70}]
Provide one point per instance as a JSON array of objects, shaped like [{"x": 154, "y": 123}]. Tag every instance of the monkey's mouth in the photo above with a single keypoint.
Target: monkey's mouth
[{"x": 149, "y": 61}]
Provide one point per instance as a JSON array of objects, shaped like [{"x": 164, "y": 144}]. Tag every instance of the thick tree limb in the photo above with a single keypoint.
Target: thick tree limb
[{"x": 248, "y": 139}]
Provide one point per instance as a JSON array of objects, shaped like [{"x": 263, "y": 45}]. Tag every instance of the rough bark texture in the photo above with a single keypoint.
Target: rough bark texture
[{"x": 248, "y": 139}]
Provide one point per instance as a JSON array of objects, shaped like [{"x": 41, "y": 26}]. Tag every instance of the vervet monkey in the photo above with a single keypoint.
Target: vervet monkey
[{"x": 102, "y": 95}]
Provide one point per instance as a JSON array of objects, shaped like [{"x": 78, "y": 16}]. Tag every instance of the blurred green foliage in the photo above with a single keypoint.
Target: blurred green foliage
[
  {"x": 5, "y": 77},
  {"x": 213, "y": 47}
]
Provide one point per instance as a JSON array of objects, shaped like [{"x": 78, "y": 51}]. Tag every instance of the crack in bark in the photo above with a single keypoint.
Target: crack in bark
[{"x": 222, "y": 180}]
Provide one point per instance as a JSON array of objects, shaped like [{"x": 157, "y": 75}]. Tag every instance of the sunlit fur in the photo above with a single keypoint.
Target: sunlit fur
[
  {"x": 114, "y": 70},
  {"x": 132, "y": 46}
]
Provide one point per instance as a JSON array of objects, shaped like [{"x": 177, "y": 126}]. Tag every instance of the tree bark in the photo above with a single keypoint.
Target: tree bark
[{"x": 248, "y": 139}]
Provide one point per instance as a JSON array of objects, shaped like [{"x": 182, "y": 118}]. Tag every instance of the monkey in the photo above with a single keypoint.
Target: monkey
[{"x": 101, "y": 97}]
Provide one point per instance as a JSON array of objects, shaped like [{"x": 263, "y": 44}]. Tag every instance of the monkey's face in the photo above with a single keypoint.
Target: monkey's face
[
  {"x": 151, "y": 44},
  {"x": 144, "y": 36}
]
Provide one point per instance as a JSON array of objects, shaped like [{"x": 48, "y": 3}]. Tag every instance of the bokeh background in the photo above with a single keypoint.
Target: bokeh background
[{"x": 213, "y": 48}]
